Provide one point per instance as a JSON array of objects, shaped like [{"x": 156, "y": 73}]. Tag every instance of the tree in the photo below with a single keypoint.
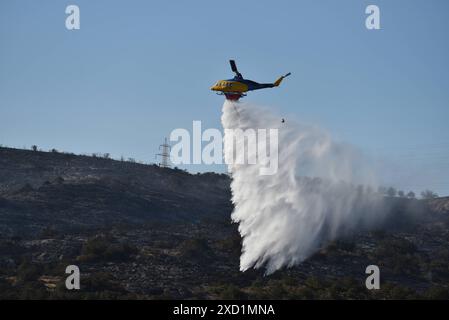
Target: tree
[
  {"x": 34, "y": 147},
  {"x": 428, "y": 194},
  {"x": 401, "y": 194},
  {"x": 391, "y": 192},
  {"x": 411, "y": 195}
]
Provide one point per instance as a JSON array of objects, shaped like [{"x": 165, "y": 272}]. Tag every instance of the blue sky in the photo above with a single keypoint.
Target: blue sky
[{"x": 136, "y": 70}]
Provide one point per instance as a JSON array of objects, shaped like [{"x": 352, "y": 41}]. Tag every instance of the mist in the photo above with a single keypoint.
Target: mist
[{"x": 318, "y": 193}]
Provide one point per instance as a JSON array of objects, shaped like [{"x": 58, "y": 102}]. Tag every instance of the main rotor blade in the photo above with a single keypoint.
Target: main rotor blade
[
  {"x": 233, "y": 66},
  {"x": 234, "y": 69}
]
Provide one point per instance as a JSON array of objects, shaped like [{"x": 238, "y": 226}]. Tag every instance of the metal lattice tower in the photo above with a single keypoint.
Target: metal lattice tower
[{"x": 165, "y": 154}]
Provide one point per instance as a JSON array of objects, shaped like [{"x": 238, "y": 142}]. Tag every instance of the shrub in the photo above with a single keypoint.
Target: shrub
[
  {"x": 428, "y": 194},
  {"x": 28, "y": 271},
  {"x": 101, "y": 249},
  {"x": 232, "y": 292},
  {"x": 196, "y": 249},
  {"x": 48, "y": 233}
]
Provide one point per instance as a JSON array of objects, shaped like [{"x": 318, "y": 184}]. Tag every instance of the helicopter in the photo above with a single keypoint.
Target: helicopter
[{"x": 235, "y": 88}]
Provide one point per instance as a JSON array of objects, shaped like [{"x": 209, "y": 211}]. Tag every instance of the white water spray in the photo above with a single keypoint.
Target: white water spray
[{"x": 313, "y": 198}]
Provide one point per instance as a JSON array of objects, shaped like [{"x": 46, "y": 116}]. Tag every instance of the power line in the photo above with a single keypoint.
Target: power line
[{"x": 165, "y": 154}]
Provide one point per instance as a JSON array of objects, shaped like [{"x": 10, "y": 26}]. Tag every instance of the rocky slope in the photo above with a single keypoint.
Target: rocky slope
[{"x": 140, "y": 231}]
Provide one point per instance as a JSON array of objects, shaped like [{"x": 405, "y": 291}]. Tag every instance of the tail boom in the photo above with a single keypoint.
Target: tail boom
[{"x": 278, "y": 81}]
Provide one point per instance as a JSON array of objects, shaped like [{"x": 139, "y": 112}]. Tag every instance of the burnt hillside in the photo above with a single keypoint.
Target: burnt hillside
[
  {"x": 65, "y": 191},
  {"x": 143, "y": 232}
]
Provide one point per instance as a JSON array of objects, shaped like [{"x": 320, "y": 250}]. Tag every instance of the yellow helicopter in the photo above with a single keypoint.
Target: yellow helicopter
[{"x": 237, "y": 87}]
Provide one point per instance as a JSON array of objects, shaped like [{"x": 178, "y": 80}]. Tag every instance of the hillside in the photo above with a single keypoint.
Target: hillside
[
  {"x": 41, "y": 189},
  {"x": 140, "y": 231}
]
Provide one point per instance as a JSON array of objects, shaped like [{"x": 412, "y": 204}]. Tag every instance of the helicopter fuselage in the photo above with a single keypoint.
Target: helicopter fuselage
[{"x": 236, "y": 87}]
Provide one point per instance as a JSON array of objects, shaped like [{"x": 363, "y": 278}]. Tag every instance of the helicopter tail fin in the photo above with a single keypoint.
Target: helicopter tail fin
[{"x": 278, "y": 81}]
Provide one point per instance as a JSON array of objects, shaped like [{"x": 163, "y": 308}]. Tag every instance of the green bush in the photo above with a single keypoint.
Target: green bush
[
  {"x": 196, "y": 249},
  {"x": 101, "y": 249},
  {"x": 399, "y": 255},
  {"x": 232, "y": 292}
]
